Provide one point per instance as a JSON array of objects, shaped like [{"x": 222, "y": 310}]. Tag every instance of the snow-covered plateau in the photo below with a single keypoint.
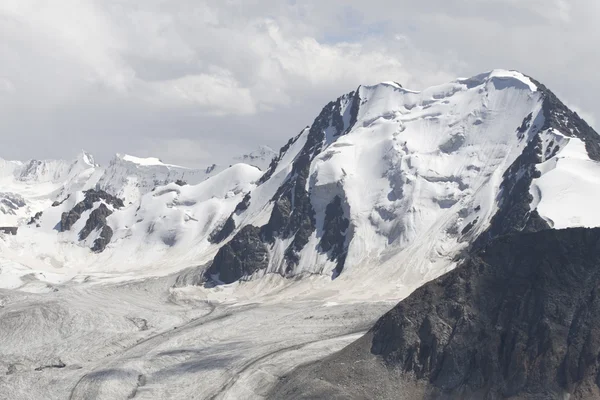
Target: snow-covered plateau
[{"x": 142, "y": 279}]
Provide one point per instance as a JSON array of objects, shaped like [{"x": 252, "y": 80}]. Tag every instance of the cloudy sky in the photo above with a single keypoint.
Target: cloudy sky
[{"x": 193, "y": 81}]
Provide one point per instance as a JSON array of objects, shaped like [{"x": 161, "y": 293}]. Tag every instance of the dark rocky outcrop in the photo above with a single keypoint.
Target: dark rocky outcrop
[
  {"x": 68, "y": 219},
  {"x": 293, "y": 215},
  {"x": 521, "y": 130},
  {"x": 275, "y": 161},
  {"x": 333, "y": 240},
  {"x": 35, "y": 219},
  {"x": 223, "y": 231},
  {"x": 56, "y": 364},
  {"x": 97, "y": 220},
  {"x": 243, "y": 205},
  {"x": 558, "y": 116},
  {"x": 519, "y": 319},
  {"x": 103, "y": 240},
  {"x": 10, "y": 202},
  {"x": 58, "y": 203},
  {"x": 9, "y": 230},
  {"x": 243, "y": 255},
  {"x": 514, "y": 212}
]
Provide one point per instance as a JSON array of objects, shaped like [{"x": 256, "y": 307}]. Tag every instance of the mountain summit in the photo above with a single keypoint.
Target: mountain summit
[
  {"x": 472, "y": 202},
  {"x": 516, "y": 318},
  {"x": 390, "y": 184},
  {"x": 386, "y": 185}
]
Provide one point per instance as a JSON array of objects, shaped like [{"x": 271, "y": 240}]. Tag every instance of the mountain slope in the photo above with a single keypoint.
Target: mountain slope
[
  {"x": 93, "y": 232},
  {"x": 260, "y": 158},
  {"x": 390, "y": 184},
  {"x": 384, "y": 189},
  {"x": 518, "y": 319},
  {"x": 129, "y": 177},
  {"x": 32, "y": 186},
  {"x": 235, "y": 280}
]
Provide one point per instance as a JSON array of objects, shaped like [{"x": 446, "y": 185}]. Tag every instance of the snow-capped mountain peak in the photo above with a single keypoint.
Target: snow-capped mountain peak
[
  {"x": 260, "y": 157},
  {"x": 87, "y": 158},
  {"x": 31, "y": 186},
  {"x": 391, "y": 183},
  {"x": 144, "y": 161},
  {"x": 387, "y": 184}
]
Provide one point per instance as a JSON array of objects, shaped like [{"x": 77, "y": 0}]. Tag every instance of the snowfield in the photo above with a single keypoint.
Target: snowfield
[
  {"x": 397, "y": 182},
  {"x": 567, "y": 193}
]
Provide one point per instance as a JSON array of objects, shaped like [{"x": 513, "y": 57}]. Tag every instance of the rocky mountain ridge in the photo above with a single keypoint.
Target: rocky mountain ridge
[
  {"x": 517, "y": 319},
  {"x": 533, "y": 143},
  {"x": 31, "y": 186},
  {"x": 387, "y": 184}
]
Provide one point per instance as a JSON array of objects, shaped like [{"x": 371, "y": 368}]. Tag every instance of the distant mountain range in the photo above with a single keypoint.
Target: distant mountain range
[
  {"x": 482, "y": 192},
  {"x": 29, "y": 187}
]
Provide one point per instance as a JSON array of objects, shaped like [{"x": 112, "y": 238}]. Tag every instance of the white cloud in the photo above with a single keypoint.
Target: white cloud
[
  {"x": 191, "y": 56},
  {"x": 6, "y": 86},
  {"x": 108, "y": 74},
  {"x": 217, "y": 93}
]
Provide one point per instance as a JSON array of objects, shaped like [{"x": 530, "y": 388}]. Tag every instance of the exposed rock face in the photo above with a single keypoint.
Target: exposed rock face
[
  {"x": 519, "y": 319},
  {"x": 10, "y": 230},
  {"x": 561, "y": 118},
  {"x": 334, "y": 233},
  {"x": 514, "y": 213},
  {"x": 293, "y": 215},
  {"x": 242, "y": 256},
  {"x": 35, "y": 218},
  {"x": 228, "y": 227},
  {"x": 97, "y": 220},
  {"x": 210, "y": 168},
  {"x": 55, "y": 364},
  {"x": 243, "y": 205},
  {"x": 299, "y": 219},
  {"x": 275, "y": 161},
  {"x": 68, "y": 219},
  {"x": 10, "y": 202},
  {"x": 103, "y": 240},
  {"x": 58, "y": 203},
  {"x": 223, "y": 231}
]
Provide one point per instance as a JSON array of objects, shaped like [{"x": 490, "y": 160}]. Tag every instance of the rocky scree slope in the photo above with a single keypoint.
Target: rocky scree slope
[{"x": 518, "y": 319}]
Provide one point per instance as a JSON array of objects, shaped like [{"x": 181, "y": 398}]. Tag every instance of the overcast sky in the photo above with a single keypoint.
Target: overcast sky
[{"x": 193, "y": 81}]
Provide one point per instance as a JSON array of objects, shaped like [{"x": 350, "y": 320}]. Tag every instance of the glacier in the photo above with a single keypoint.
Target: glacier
[{"x": 214, "y": 286}]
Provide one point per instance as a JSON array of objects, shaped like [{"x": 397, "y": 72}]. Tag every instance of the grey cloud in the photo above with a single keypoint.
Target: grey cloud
[{"x": 193, "y": 82}]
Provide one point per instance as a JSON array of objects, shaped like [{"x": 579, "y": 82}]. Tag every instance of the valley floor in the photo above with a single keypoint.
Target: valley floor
[{"x": 144, "y": 340}]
